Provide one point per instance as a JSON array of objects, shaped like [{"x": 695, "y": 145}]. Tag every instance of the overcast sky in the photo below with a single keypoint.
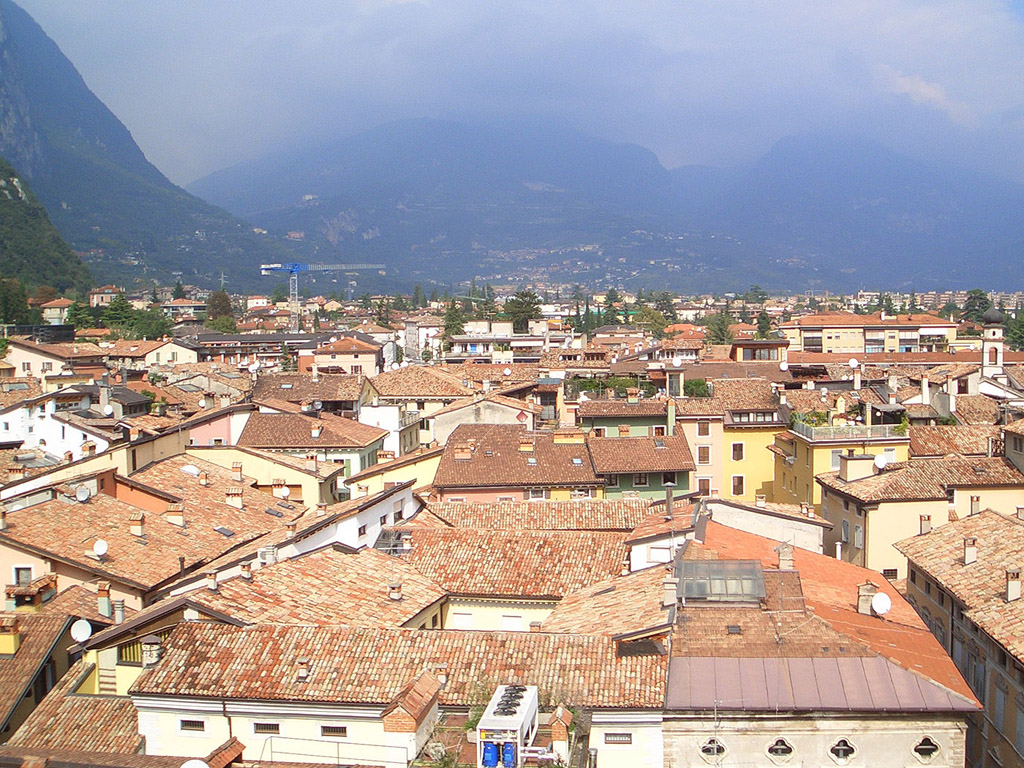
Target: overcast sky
[{"x": 204, "y": 84}]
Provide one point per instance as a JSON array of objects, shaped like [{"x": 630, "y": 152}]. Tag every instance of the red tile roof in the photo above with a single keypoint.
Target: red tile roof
[
  {"x": 621, "y": 515},
  {"x": 296, "y": 430},
  {"x": 39, "y": 635}
]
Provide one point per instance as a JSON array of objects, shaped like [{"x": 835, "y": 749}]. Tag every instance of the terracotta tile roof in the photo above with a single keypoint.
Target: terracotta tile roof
[
  {"x": 849, "y": 319},
  {"x": 493, "y": 372},
  {"x": 583, "y": 515},
  {"x": 640, "y": 454},
  {"x": 18, "y": 389},
  {"x": 619, "y": 408},
  {"x": 65, "y": 351},
  {"x": 32, "y": 757},
  {"x": 927, "y": 479},
  {"x": 371, "y": 666},
  {"x": 962, "y": 439},
  {"x": 830, "y": 590},
  {"x": 657, "y": 524},
  {"x": 539, "y": 564},
  {"x": 617, "y": 606},
  {"x": 348, "y": 344},
  {"x": 133, "y": 348},
  {"x": 65, "y": 720},
  {"x": 81, "y": 603},
  {"x": 328, "y": 586},
  {"x": 977, "y": 409},
  {"x": 300, "y": 387},
  {"x": 507, "y": 465},
  {"x": 39, "y": 634},
  {"x": 1014, "y": 427},
  {"x": 420, "y": 382},
  {"x": 981, "y": 585},
  {"x": 295, "y": 430},
  {"x": 730, "y": 395}
]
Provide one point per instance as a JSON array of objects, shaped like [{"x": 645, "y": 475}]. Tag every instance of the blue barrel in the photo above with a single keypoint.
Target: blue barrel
[{"x": 490, "y": 754}]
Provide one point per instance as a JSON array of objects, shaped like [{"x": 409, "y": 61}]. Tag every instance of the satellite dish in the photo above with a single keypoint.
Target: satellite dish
[
  {"x": 395, "y": 366},
  {"x": 783, "y": 366},
  {"x": 100, "y": 547},
  {"x": 82, "y": 494},
  {"x": 881, "y": 462},
  {"x": 285, "y": 492},
  {"x": 194, "y": 764},
  {"x": 333, "y": 339},
  {"x": 881, "y": 603},
  {"x": 405, "y": 364},
  {"x": 81, "y": 631},
  {"x": 854, "y": 363},
  {"x": 824, "y": 391},
  {"x": 317, "y": 405},
  {"x": 507, "y": 371},
  {"x": 254, "y": 367},
  {"x": 108, "y": 410},
  {"x": 202, "y": 403}
]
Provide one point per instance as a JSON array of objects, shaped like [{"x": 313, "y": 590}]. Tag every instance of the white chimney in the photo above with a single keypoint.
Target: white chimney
[
  {"x": 233, "y": 497},
  {"x": 236, "y": 471},
  {"x": 1012, "y": 584},
  {"x": 857, "y": 378},
  {"x": 926, "y": 392},
  {"x": 970, "y": 550},
  {"x": 926, "y": 524},
  {"x": 785, "y": 550},
  {"x": 204, "y": 479},
  {"x": 865, "y": 592},
  {"x": 211, "y": 581},
  {"x": 137, "y": 523},
  {"x": 175, "y": 514},
  {"x": 760, "y": 500},
  {"x": 395, "y": 591},
  {"x": 151, "y": 650},
  {"x": 315, "y": 431},
  {"x": 321, "y": 509},
  {"x": 103, "y": 604},
  {"x": 246, "y": 571},
  {"x": 669, "y": 592},
  {"x": 302, "y": 670},
  {"x": 315, "y": 370}
]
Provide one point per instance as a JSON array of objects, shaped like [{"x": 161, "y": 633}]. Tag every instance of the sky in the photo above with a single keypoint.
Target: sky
[{"x": 206, "y": 84}]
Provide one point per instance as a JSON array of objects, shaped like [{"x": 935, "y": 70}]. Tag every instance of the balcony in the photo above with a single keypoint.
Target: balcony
[
  {"x": 410, "y": 418},
  {"x": 856, "y": 432}
]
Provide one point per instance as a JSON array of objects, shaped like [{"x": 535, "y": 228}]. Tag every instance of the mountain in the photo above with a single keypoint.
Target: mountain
[
  {"x": 449, "y": 200},
  {"x": 100, "y": 191},
  {"x": 31, "y": 249}
]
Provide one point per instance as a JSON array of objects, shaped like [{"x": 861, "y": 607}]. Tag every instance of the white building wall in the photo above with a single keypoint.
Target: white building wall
[
  {"x": 799, "y": 534},
  {"x": 645, "y": 749}
]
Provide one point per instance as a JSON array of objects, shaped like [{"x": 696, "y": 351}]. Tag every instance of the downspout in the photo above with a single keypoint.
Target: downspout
[{"x": 224, "y": 712}]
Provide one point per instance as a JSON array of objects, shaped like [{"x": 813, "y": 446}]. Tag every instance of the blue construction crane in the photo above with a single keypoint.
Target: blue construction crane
[{"x": 293, "y": 279}]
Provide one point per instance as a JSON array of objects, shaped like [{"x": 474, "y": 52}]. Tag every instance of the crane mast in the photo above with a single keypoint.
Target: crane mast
[{"x": 293, "y": 280}]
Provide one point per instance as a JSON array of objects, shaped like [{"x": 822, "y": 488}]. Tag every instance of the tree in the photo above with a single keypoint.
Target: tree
[
  {"x": 976, "y": 304},
  {"x": 433, "y": 295},
  {"x": 179, "y": 291},
  {"x": 151, "y": 324},
  {"x": 651, "y": 319},
  {"x": 383, "y": 311},
  {"x": 80, "y": 316},
  {"x": 219, "y": 305},
  {"x": 13, "y": 302},
  {"x": 153, "y": 297},
  {"x": 764, "y": 325},
  {"x": 399, "y": 304},
  {"x": 279, "y": 294},
  {"x": 366, "y": 301},
  {"x": 949, "y": 310},
  {"x": 453, "y": 320},
  {"x": 417, "y": 296},
  {"x": 718, "y": 328},
  {"x": 522, "y": 308},
  {"x": 45, "y": 293},
  {"x": 756, "y": 295},
  {"x": 611, "y": 313},
  {"x": 663, "y": 303},
  {"x": 118, "y": 314},
  {"x": 222, "y": 324}
]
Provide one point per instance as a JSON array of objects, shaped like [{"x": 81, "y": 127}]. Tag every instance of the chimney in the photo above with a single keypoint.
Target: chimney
[
  {"x": 670, "y": 420},
  {"x": 669, "y": 499},
  {"x": 464, "y": 452},
  {"x": 865, "y": 592},
  {"x": 892, "y": 398},
  {"x": 760, "y": 500},
  {"x": 970, "y": 550},
  {"x": 236, "y": 471},
  {"x": 311, "y": 462},
  {"x": 246, "y": 571},
  {"x": 782, "y": 397},
  {"x": 441, "y": 673},
  {"x": 224, "y": 400},
  {"x": 990, "y": 447},
  {"x": 175, "y": 514},
  {"x": 315, "y": 371},
  {"x": 151, "y": 650},
  {"x": 181, "y": 565},
  {"x": 894, "y": 382},
  {"x": 526, "y": 444},
  {"x": 535, "y": 626},
  {"x": 137, "y": 523},
  {"x": 856, "y": 467},
  {"x": 804, "y": 508},
  {"x": 204, "y": 479},
  {"x": 623, "y": 430},
  {"x": 211, "y": 581},
  {"x": 104, "y": 393},
  {"x": 321, "y": 509},
  {"x": 1012, "y": 584},
  {"x": 10, "y": 635},
  {"x": 669, "y": 595},
  {"x": 233, "y": 497},
  {"x": 385, "y": 456},
  {"x": 857, "y": 378},
  {"x": 926, "y": 524},
  {"x": 133, "y": 434},
  {"x": 118, "y": 608},
  {"x": 290, "y": 527},
  {"x": 3, "y": 518},
  {"x": 315, "y": 431},
  {"x": 68, "y": 457},
  {"x": 926, "y": 393},
  {"x": 785, "y": 550},
  {"x": 16, "y": 471},
  {"x": 103, "y": 605},
  {"x": 395, "y": 591},
  {"x": 632, "y": 396}
]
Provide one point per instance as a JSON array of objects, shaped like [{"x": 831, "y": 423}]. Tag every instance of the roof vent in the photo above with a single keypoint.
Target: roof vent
[
  {"x": 970, "y": 550},
  {"x": 395, "y": 591}
]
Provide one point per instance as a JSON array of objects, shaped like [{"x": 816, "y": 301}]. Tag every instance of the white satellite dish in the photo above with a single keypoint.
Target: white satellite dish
[
  {"x": 190, "y": 469},
  {"x": 881, "y": 462},
  {"x": 81, "y": 631},
  {"x": 854, "y": 363},
  {"x": 317, "y": 405},
  {"x": 333, "y": 339},
  {"x": 286, "y": 492},
  {"x": 405, "y": 364},
  {"x": 202, "y": 403},
  {"x": 395, "y": 366},
  {"x": 824, "y": 392},
  {"x": 881, "y": 603},
  {"x": 507, "y": 371},
  {"x": 100, "y": 547},
  {"x": 82, "y": 494},
  {"x": 194, "y": 764},
  {"x": 783, "y": 366},
  {"x": 254, "y": 367},
  {"x": 108, "y": 410}
]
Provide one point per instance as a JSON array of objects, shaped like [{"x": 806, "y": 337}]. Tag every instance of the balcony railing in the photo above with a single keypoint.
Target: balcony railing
[
  {"x": 855, "y": 432},
  {"x": 410, "y": 417}
]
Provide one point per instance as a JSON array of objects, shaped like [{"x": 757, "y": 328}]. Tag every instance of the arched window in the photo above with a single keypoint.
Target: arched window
[
  {"x": 842, "y": 751},
  {"x": 993, "y": 356},
  {"x": 780, "y": 751}
]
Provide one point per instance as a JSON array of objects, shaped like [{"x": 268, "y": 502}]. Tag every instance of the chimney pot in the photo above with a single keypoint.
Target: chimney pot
[
  {"x": 152, "y": 650},
  {"x": 441, "y": 672},
  {"x": 137, "y": 524},
  {"x": 535, "y": 626},
  {"x": 785, "y": 550},
  {"x": 204, "y": 479},
  {"x": 236, "y": 471},
  {"x": 1012, "y": 584},
  {"x": 760, "y": 500},
  {"x": 246, "y": 571},
  {"x": 233, "y": 497},
  {"x": 926, "y": 524},
  {"x": 118, "y": 608},
  {"x": 395, "y": 591},
  {"x": 103, "y": 605},
  {"x": 321, "y": 509},
  {"x": 211, "y": 581},
  {"x": 970, "y": 550},
  {"x": 865, "y": 592}
]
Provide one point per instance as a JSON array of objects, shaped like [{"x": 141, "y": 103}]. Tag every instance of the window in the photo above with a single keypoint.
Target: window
[
  {"x": 536, "y": 494},
  {"x": 362, "y": 530},
  {"x": 1018, "y": 444},
  {"x": 47, "y": 367},
  {"x": 842, "y": 751},
  {"x": 703, "y": 454},
  {"x": 712, "y": 748},
  {"x": 704, "y": 486},
  {"x": 640, "y": 479},
  {"x": 23, "y": 575},
  {"x": 780, "y": 749},
  {"x": 659, "y": 431},
  {"x": 975, "y": 504},
  {"x": 26, "y": 367},
  {"x": 266, "y": 728},
  {"x": 668, "y": 477},
  {"x": 196, "y": 726},
  {"x": 836, "y": 455},
  {"x": 889, "y": 573},
  {"x": 398, "y": 515},
  {"x": 334, "y": 731},
  {"x": 611, "y": 481},
  {"x": 845, "y": 537},
  {"x": 999, "y": 709},
  {"x": 737, "y": 485},
  {"x": 703, "y": 428},
  {"x": 618, "y": 738},
  {"x": 737, "y": 451},
  {"x": 858, "y": 537},
  {"x": 383, "y": 519},
  {"x": 1018, "y": 740}
]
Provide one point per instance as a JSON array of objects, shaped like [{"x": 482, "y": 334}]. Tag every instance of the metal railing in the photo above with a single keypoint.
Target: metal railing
[{"x": 855, "y": 432}]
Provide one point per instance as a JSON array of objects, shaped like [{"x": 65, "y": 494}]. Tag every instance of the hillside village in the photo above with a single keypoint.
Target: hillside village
[{"x": 509, "y": 529}]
